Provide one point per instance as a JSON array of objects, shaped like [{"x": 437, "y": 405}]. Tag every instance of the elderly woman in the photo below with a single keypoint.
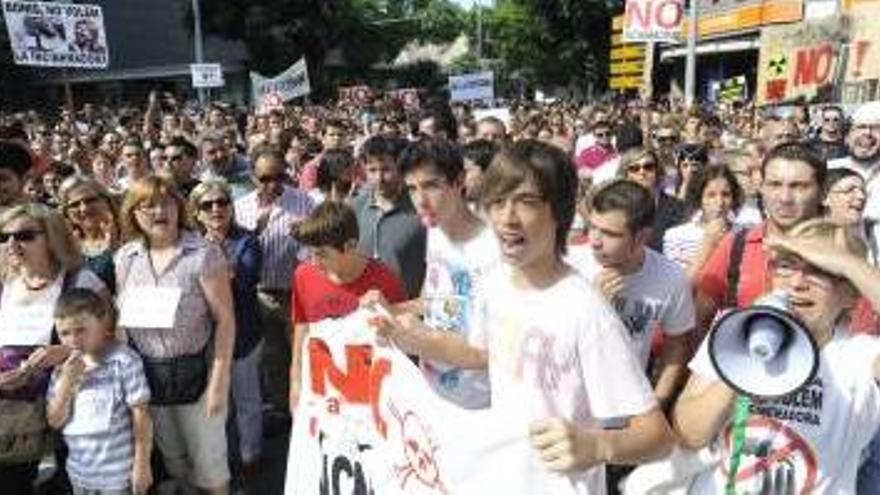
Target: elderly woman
[
  {"x": 41, "y": 260},
  {"x": 212, "y": 211},
  {"x": 176, "y": 307},
  {"x": 94, "y": 218}
]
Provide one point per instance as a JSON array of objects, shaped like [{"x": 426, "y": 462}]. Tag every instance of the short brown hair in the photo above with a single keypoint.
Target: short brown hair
[
  {"x": 81, "y": 301},
  {"x": 148, "y": 189},
  {"x": 551, "y": 171},
  {"x": 331, "y": 223}
]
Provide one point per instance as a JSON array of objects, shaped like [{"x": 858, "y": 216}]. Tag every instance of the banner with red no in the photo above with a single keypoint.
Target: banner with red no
[
  {"x": 369, "y": 422},
  {"x": 808, "y": 60}
]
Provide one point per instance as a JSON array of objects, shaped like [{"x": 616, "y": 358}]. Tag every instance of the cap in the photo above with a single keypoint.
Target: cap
[{"x": 867, "y": 114}]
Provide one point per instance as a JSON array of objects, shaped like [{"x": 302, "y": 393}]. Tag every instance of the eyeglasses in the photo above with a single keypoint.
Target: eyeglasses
[
  {"x": 209, "y": 204},
  {"x": 846, "y": 190},
  {"x": 25, "y": 235},
  {"x": 787, "y": 267},
  {"x": 88, "y": 200},
  {"x": 265, "y": 179},
  {"x": 642, "y": 167}
]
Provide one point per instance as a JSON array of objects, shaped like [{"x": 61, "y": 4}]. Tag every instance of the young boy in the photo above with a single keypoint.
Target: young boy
[
  {"x": 99, "y": 400},
  {"x": 332, "y": 283},
  {"x": 557, "y": 351},
  {"x": 461, "y": 251}
]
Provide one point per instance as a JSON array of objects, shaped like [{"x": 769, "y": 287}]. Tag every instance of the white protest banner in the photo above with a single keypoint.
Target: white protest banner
[
  {"x": 653, "y": 20},
  {"x": 207, "y": 75},
  {"x": 290, "y": 84},
  {"x": 55, "y": 34},
  {"x": 469, "y": 87},
  {"x": 369, "y": 422}
]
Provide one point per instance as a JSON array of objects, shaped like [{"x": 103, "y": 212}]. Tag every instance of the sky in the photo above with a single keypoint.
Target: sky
[{"x": 468, "y": 3}]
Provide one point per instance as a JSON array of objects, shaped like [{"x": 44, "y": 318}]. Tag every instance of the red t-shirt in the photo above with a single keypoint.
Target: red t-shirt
[
  {"x": 753, "y": 275},
  {"x": 315, "y": 297}
]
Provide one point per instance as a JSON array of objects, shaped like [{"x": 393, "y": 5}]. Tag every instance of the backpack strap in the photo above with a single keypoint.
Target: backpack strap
[{"x": 733, "y": 267}]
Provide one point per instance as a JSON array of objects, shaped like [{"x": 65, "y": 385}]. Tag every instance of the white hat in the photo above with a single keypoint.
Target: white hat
[{"x": 867, "y": 114}]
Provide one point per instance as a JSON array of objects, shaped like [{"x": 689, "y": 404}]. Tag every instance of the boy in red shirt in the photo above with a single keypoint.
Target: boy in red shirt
[{"x": 331, "y": 284}]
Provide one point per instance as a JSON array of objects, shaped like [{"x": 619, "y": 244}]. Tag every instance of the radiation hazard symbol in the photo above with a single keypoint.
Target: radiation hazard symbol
[
  {"x": 778, "y": 65},
  {"x": 775, "y": 458}
]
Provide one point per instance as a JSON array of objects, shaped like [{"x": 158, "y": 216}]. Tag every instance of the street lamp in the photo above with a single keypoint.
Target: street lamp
[
  {"x": 198, "y": 48},
  {"x": 690, "y": 69}
]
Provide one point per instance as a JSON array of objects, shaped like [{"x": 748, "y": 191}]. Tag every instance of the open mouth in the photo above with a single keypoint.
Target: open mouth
[
  {"x": 429, "y": 219},
  {"x": 511, "y": 242}
]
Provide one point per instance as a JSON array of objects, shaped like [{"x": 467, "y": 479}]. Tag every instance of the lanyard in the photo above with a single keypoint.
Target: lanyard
[{"x": 740, "y": 418}]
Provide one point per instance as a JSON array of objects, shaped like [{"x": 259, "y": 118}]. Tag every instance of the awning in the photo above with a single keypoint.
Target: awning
[{"x": 709, "y": 47}]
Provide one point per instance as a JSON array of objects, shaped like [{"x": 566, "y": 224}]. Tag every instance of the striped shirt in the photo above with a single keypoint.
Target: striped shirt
[
  {"x": 280, "y": 250},
  {"x": 681, "y": 243},
  {"x": 193, "y": 321},
  {"x": 102, "y": 450}
]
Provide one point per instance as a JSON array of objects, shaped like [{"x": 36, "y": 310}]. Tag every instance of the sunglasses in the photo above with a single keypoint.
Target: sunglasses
[
  {"x": 265, "y": 179},
  {"x": 642, "y": 167},
  {"x": 26, "y": 235},
  {"x": 75, "y": 205},
  {"x": 209, "y": 205}
]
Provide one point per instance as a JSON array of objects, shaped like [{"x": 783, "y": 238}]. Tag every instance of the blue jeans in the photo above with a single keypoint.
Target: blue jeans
[
  {"x": 247, "y": 403},
  {"x": 869, "y": 472}
]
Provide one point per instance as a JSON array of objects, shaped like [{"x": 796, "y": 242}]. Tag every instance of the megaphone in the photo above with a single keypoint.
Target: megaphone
[{"x": 763, "y": 351}]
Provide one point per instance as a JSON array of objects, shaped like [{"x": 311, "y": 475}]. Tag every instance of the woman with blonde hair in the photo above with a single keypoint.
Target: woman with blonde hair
[
  {"x": 93, "y": 216},
  {"x": 212, "y": 213},
  {"x": 176, "y": 307},
  {"x": 41, "y": 260}
]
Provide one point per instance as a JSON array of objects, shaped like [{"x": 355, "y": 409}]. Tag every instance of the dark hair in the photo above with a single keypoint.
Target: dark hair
[
  {"x": 331, "y": 223},
  {"x": 443, "y": 118},
  {"x": 627, "y": 136},
  {"x": 134, "y": 142},
  {"x": 383, "y": 147},
  {"x": 551, "y": 171},
  {"x": 267, "y": 151},
  {"x": 80, "y": 301},
  {"x": 439, "y": 153},
  {"x": 481, "y": 152},
  {"x": 693, "y": 151},
  {"x": 189, "y": 149},
  {"x": 800, "y": 152},
  {"x": 627, "y": 196},
  {"x": 15, "y": 158},
  {"x": 332, "y": 167},
  {"x": 836, "y": 175},
  {"x": 702, "y": 177},
  {"x": 335, "y": 123},
  {"x": 60, "y": 168}
]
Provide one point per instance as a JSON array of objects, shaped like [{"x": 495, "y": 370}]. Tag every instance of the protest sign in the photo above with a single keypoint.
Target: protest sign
[
  {"x": 730, "y": 90},
  {"x": 627, "y": 60},
  {"x": 408, "y": 98},
  {"x": 369, "y": 422},
  {"x": 360, "y": 94},
  {"x": 290, "y": 84},
  {"x": 811, "y": 59},
  {"x": 470, "y": 87},
  {"x": 653, "y": 20},
  {"x": 56, "y": 35},
  {"x": 207, "y": 75}
]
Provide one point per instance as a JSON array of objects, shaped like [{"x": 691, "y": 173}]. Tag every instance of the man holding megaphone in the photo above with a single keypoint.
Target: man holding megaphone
[{"x": 780, "y": 417}]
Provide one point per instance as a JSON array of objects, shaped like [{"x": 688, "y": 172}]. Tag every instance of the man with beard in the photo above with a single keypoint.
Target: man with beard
[{"x": 863, "y": 142}]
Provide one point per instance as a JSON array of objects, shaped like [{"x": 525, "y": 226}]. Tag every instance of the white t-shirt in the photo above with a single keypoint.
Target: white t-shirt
[
  {"x": 815, "y": 435},
  {"x": 453, "y": 276},
  {"x": 559, "y": 352},
  {"x": 657, "y": 297}
]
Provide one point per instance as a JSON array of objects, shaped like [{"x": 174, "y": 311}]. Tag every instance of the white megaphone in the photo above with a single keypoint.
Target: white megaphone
[{"x": 763, "y": 351}]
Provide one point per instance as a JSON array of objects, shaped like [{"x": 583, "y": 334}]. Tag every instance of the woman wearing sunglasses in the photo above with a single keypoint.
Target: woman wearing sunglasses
[
  {"x": 93, "y": 217},
  {"x": 641, "y": 165},
  {"x": 41, "y": 260},
  {"x": 689, "y": 158},
  {"x": 212, "y": 212},
  {"x": 177, "y": 310}
]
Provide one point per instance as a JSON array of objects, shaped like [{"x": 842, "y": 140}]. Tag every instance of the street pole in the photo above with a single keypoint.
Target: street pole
[
  {"x": 690, "y": 69},
  {"x": 197, "y": 44},
  {"x": 479, "y": 33}
]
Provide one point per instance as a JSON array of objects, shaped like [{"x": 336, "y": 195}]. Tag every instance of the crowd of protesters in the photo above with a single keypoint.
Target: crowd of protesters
[{"x": 621, "y": 227}]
